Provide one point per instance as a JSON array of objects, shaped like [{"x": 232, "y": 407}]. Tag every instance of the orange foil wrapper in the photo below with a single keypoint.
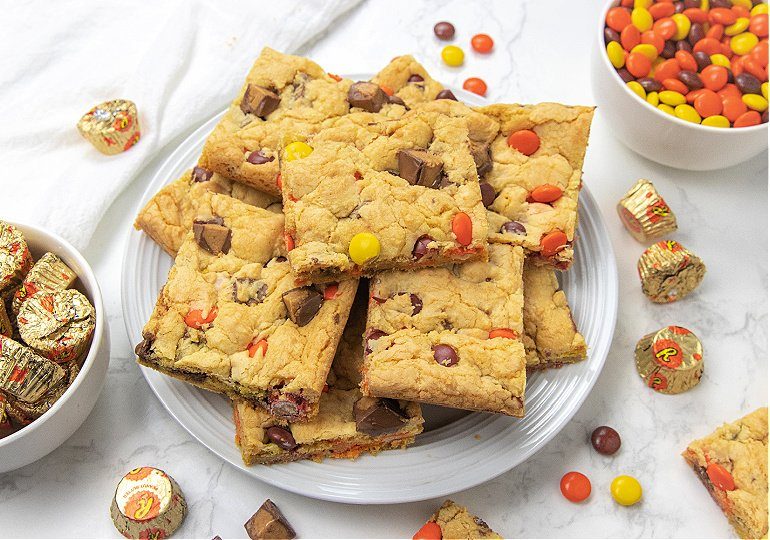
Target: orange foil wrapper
[
  {"x": 15, "y": 259},
  {"x": 23, "y": 374},
  {"x": 48, "y": 274},
  {"x": 112, "y": 127},
  {"x": 645, "y": 214},
  {"x": 669, "y": 272},
  {"x": 670, "y": 360}
]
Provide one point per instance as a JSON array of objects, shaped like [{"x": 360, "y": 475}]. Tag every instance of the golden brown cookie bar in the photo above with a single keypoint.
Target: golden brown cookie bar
[
  {"x": 168, "y": 216},
  {"x": 454, "y": 521},
  {"x": 732, "y": 464},
  {"x": 450, "y": 336},
  {"x": 231, "y": 318},
  {"x": 550, "y": 336},
  {"x": 407, "y": 187},
  {"x": 406, "y": 79},
  {"x": 347, "y": 423}
]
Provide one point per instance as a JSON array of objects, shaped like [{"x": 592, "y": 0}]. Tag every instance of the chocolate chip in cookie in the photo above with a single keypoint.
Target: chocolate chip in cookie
[
  {"x": 377, "y": 416},
  {"x": 482, "y": 158},
  {"x": 445, "y": 355},
  {"x": 416, "y": 302},
  {"x": 488, "y": 194},
  {"x": 421, "y": 247},
  {"x": 199, "y": 174},
  {"x": 269, "y": 522},
  {"x": 259, "y": 101},
  {"x": 282, "y": 437},
  {"x": 419, "y": 167},
  {"x": 144, "y": 349},
  {"x": 212, "y": 235},
  {"x": 367, "y": 96},
  {"x": 302, "y": 304},
  {"x": 249, "y": 291},
  {"x": 513, "y": 227},
  {"x": 446, "y": 94},
  {"x": 259, "y": 158}
]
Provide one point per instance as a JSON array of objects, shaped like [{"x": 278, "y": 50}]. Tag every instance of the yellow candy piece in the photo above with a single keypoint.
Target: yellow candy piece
[
  {"x": 682, "y": 26},
  {"x": 668, "y": 109},
  {"x": 743, "y": 3},
  {"x": 743, "y": 43},
  {"x": 764, "y": 89},
  {"x": 688, "y": 113},
  {"x": 626, "y": 490},
  {"x": 363, "y": 247},
  {"x": 641, "y": 18},
  {"x": 669, "y": 97},
  {"x": 720, "y": 60},
  {"x": 753, "y": 101},
  {"x": 647, "y": 50},
  {"x": 704, "y": 5},
  {"x": 740, "y": 25},
  {"x": 616, "y": 54},
  {"x": 644, "y": 4},
  {"x": 452, "y": 55},
  {"x": 297, "y": 150},
  {"x": 716, "y": 120},
  {"x": 759, "y": 9},
  {"x": 652, "y": 99},
  {"x": 637, "y": 89}
]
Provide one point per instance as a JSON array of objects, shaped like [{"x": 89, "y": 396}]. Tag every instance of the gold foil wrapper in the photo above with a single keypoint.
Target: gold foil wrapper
[
  {"x": 6, "y": 327},
  {"x": 6, "y": 427},
  {"x": 645, "y": 214},
  {"x": 26, "y": 413},
  {"x": 148, "y": 503},
  {"x": 669, "y": 272},
  {"x": 49, "y": 274},
  {"x": 58, "y": 325},
  {"x": 23, "y": 374},
  {"x": 15, "y": 259},
  {"x": 670, "y": 361},
  {"x": 112, "y": 127}
]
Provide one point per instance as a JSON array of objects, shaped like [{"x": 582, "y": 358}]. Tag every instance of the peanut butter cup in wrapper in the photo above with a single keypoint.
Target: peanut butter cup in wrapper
[
  {"x": 49, "y": 274},
  {"x": 24, "y": 375},
  {"x": 15, "y": 259},
  {"x": 112, "y": 127},
  {"x": 669, "y": 272},
  {"x": 148, "y": 503},
  {"x": 26, "y": 413},
  {"x": 58, "y": 325},
  {"x": 645, "y": 214},
  {"x": 670, "y": 360},
  {"x": 6, "y": 328},
  {"x": 6, "y": 428}
]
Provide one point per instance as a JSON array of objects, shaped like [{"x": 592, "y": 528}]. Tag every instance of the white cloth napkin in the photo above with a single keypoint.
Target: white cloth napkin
[{"x": 179, "y": 61}]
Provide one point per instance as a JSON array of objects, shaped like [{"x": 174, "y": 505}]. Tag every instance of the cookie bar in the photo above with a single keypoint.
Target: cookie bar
[
  {"x": 732, "y": 464},
  {"x": 408, "y": 81},
  {"x": 550, "y": 336},
  {"x": 377, "y": 195},
  {"x": 168, "y": 216},
  {"x": 231, "y": 318},
  {"x": 450, "y": 336},
  {"x": 347, "y": 423},
  {"x": 454, "y": 521}
]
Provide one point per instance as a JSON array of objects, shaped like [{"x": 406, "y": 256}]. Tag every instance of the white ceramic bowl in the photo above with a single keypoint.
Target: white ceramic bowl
[
  {"x": 53, "y": 428},
  {"x": 659, "y": 136}
]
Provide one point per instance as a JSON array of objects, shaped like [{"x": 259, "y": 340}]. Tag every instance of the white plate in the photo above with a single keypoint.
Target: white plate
[{"x": 458, "y": 450}]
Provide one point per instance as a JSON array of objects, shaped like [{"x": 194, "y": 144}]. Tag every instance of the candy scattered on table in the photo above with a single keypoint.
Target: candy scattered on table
[
  {"x": 575, "y": 486},
  {"x": 112, "y": 127},
  {"x": 701, "y": 62},
  {"x": 670, "y": 361},
  {"x": 147, "y": 503},
  {"x": 452, "y": 55},
  {"x": 444, "y": 30},
  {"x": 626, "y": 490},
  {"x": 669, "y": 272},
  {"x": 269, "y": 522},
  {"x": 645, "y": 214},
  {"x": 482, "y": 43},
  {"x": 605, "y": 440},
  {"x": 475, "y": 85}
]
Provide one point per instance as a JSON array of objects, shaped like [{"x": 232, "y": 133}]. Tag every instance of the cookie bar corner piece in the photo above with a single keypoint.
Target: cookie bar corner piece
[
  {"x": 454, "y": 521},
  {"x": 732, "y": 465}
]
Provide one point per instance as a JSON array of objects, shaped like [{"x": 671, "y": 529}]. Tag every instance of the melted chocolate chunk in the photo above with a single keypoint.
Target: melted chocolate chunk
[
  {"x": 397, "y": 101},
  {"x": 367, "y": 96},
  {"x": 421, "y": 247},
  {"x": 416, "y": 304},
  {"x": 419, "y": 167},
  {"x": 212, "y": 235},
  {"x": 446, "y": 93},
  {"x": 513, "y": 227},
  {"x": 488, "y": 194},
  {"x": 199, "y": 174},
  {"x": 259, "y": 101},
  {"x": 302, "y": 304},
  {"x": 144, "y": 349},
  {"x": 249, "y": 291},
  {"x": 482, "y": 158},
  {"x": 378, "y": 416},
  {"x": 258, "y": 158},
  {"x": 269, "y": 522},
  {"x": 282, "y": 437},
  {"x": 415, "y": 78}
]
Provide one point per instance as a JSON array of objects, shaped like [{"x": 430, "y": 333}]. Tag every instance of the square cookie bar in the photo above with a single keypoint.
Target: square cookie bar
[
  {"x": 168, "y": 216},
  {"x": 231, "y": 318},
  {"x": 450, "y": 336},
  {"x": 375, "y": 195},
  {"x": 551, "y": 338},
  {"x": 347, "y": 423},
  {"x": 732, "y": 464},
  {"x": 454, "y": 521}
]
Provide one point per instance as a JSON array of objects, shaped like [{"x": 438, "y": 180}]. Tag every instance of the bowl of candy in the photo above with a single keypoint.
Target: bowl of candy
[
  {"x": 684, "y": 83},
  {"x": 54, "y": 343}
]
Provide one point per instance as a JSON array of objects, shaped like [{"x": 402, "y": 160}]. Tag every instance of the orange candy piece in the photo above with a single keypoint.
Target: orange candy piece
[
  {"x": 195, "y": 318},
  {"x": 676, "y": 85},
  {"x": 752, "y": 66},
  {"x": 638, "y": 64},
  {"x": 740, "y": 11},
  {"x": 289, "y": 239},
  {"x": 665, "y": 28},
  {"x": 482, "y": 43},
  {"x": 723, "y": 16},
  {"x": 503, "y": 333},
  {"x": 546, "y": 193},
  {"x": 463, "y": 228},
  {"x": 387, "y": 89},
  {"x": 259, "y": 345},
  {"x": 750, "y": 118},
  {"x": 686, "y": 61},
  {"x": 720, "y": 477},
  {"x": 575, "y": 486},
  {"x": 618, "y": 18},
  {"x": 758, "y": 25},
  {"x": 693, "y": 95},
  {"x": 651, "y": 38},
  {"x": 696, "y": 15},
  {"x": 330, "y": 291},
  {"x": 733, "y": 107},
  {"x": 525, "y": 141},
  {"x": 714, "y": 77},
  {"x": 716, "y": 32},
  {"x": 630, "y": 37},
  {"x": 335, "y": 77},
  {"x": 661, "y": 9},
  {"x": 708, "y": 45},
  {"x": 552, "y": 243},
  {"x": 708, "y": 103},
  {"x": 729, "y": 90},
  {"x": 668, "y": 69},
  {"x": 759, "y": 53},
  {"x": 475, "y": 85},
  {"x": 429, "y": 531}
]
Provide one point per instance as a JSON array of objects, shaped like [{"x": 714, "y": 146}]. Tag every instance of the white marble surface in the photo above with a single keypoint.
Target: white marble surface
[{"x": 542, "y": 53}]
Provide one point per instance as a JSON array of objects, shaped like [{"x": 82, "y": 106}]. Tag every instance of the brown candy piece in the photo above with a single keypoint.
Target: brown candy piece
[
  {"x": 268, "y": 522},
  {"x": 302, "y": 304},
  {"x": 444, "y": 30},
  {"x": 419, "y": 167},
  {"x": 282, "y": 437},
  {"x": 199, "y": 174},
  {"x": 259, "y": 101},
  {"x": 421, "y": 248},
  {"x": 445, "y": 355},
  {"x": 212, "y": 235},
  {"x": 259, "y": 158},
  {"x": 367, "y": 96},
  {"x": 446, "y": 93},
  {"x": 488, "y": 194},
  {"x": 377, "y": 416},
  {"x": 482, "y": 158}
]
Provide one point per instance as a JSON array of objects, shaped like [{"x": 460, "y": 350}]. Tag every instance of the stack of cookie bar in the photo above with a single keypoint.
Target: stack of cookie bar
[{"x": 311, "y": 183}]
